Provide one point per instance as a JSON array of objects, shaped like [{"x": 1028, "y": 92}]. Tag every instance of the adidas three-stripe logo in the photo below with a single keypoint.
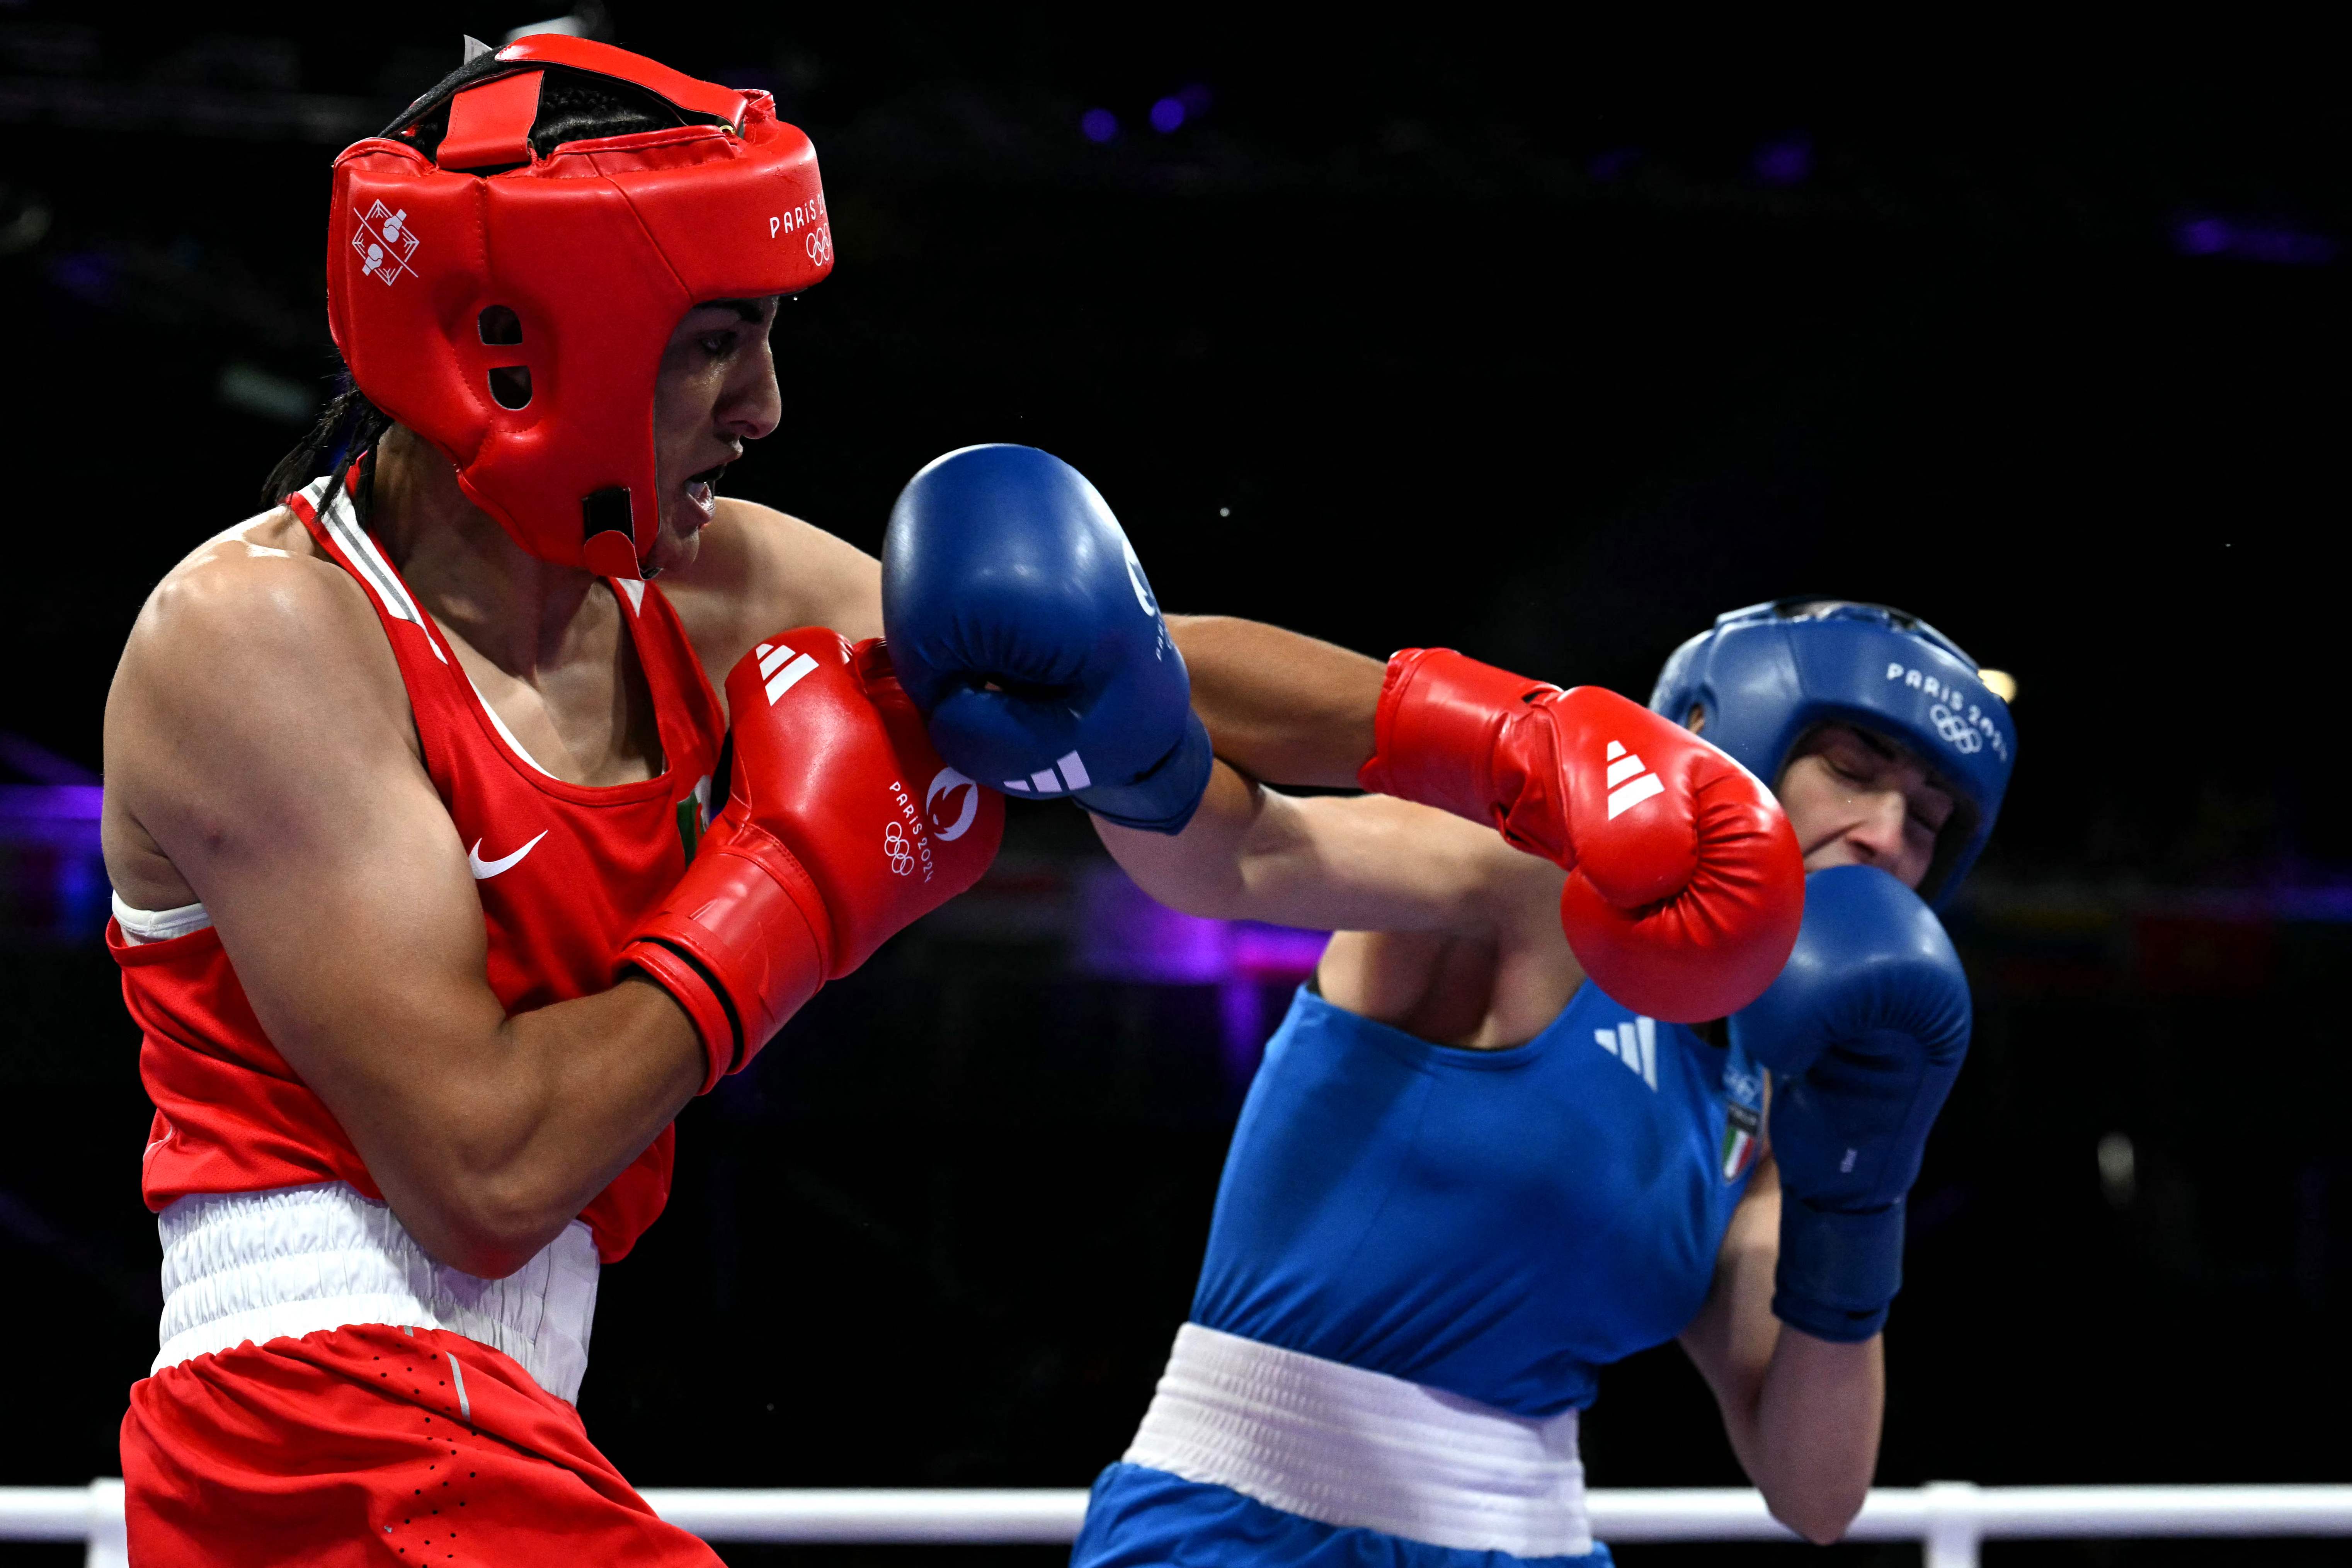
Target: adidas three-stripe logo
[
  {"x": 1636, "y": 1045},
  {"x": 1630, "y": 782},
  {"x": 783, "y": 669},
  {"x": 1067, "y": 775}
]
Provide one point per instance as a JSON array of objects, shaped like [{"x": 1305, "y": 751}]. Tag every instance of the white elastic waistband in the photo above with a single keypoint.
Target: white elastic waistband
[
  {"x": 259, "y": 1266},
  {"x": 1361, "y": 1449}
]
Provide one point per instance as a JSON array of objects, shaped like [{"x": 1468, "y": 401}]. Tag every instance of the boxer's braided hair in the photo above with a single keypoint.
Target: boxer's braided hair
[
  {"x": 573, "y": 106},
  {"x": 346, "y": 434}
]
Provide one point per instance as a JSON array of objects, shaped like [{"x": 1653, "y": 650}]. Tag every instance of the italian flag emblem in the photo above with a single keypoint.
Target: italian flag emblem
[
  {"x": 694, "y": 817},
  {"x": 1739, "y": 1129}
]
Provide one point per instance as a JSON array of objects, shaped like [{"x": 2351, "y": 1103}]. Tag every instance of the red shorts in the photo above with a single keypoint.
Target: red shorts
[{"x": 375, "y": 1446}]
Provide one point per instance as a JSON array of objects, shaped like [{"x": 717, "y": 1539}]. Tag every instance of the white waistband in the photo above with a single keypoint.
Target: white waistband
[
  {"x": 259, "y": 1266},
  {"x": 1358, "y": 1449}
]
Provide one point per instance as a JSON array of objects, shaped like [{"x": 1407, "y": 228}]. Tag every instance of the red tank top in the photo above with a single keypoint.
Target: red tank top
[{"x": 564, "y": 872}]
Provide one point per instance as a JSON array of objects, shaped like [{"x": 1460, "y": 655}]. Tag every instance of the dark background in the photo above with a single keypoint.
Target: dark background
[{"x": 1548, "y": 345}]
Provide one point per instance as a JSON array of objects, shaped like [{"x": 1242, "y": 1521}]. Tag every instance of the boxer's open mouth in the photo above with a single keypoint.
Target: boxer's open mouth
[{"x": 702, "y": 487}]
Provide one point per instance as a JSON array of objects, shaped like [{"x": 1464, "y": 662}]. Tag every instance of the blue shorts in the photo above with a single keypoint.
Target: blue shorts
[{"x": 1147, "y": 1519}]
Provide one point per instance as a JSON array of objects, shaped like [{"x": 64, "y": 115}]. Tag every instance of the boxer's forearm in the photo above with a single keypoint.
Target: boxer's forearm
[
  {"x": 1281, "y": 707},
  {"x": 1361, "y": 863},
  {"x": 1202, "y": 870},
  {"x": 1802, "y": 1414},
  {"x": 1813, "y": 1446},
  {"x": 487, "y": 1147}
]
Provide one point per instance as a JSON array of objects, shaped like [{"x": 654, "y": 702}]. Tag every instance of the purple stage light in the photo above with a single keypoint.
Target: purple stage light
[
  {"x": 1167, "y": 115},
  {"x": 88, "y": 275},
  {"x": 2333, "y": 905},
  {"x": 1788, "y": 161},
  {"x": 1607, "y": 166},
  {"x": 1098, "y": 124},
  {"x": 1123, "y": 934},
  {"x": 48, "y": 804},
  {"x": 2202, "y": 236},
  {"x": 53, "y": 884},
  {"x": 1276, "y": 954},
  {"x": 2277, "y": 244}
]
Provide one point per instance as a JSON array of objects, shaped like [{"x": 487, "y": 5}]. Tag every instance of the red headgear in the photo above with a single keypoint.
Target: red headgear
[{"x": 593, "y": 249}]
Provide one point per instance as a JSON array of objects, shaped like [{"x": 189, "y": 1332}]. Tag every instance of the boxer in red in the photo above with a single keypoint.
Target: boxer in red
[
  {"x": 436, "y": 898},
  {"x": 453, "y": 854}
]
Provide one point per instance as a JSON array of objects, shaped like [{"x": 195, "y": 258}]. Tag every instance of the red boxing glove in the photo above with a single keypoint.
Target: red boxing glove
[
  {"x": 842, "y": 828},
  {"x": 1685, "y": 888}
]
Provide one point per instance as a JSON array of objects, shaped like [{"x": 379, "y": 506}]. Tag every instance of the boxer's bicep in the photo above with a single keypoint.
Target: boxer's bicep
[
  {"x": 275, "y": 771},
  {"x": 757, "y": 569},
  {"x": 839, "y": 584},
  {"x": 1375, "y": 863}
]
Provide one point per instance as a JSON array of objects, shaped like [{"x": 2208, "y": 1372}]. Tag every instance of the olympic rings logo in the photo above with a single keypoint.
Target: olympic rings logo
[
  {"x": 900, "y": 852},
  {"x": 1962, "y": 735},
  {"x": 818, "y": 243}
]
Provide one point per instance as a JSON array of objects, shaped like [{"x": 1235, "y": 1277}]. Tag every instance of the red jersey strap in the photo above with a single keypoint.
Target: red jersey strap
[
  {"x": 339, "y": 535},
  {"x": 692, "y": 722},
  {"x": 434, "y": 680}
]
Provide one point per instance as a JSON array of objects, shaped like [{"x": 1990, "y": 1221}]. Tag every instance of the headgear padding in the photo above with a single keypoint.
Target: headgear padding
[{"x": 572, "y": 265}]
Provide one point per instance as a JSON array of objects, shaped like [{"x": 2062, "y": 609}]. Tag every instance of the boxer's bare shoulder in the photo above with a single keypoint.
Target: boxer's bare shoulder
[
  {"x": 263, "y": 560},
  {"x": 1492, "y": 978},
  {"x": 757, "y": 570},
  {"x": 254, "y": 646},
  {"x": 1444, "y": 930},
  {"x": 256, "y": 606}
]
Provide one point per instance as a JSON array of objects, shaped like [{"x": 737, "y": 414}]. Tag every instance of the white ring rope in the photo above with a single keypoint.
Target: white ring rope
[{"x": 1947, "y": 1517}]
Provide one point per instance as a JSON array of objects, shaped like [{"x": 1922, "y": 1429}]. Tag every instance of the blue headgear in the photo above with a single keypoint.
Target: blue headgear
[{"x": 1767, "y": 674}]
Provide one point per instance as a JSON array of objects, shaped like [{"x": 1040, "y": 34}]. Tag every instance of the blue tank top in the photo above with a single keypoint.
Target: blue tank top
[{"x": 1497, "y": 1223}]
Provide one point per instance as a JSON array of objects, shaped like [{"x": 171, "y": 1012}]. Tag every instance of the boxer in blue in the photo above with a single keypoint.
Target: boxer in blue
[{"x": 1467, "y": 1177}]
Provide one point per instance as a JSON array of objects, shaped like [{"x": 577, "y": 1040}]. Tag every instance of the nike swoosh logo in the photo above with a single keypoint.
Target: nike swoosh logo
[{"x": 484, "y": 870}]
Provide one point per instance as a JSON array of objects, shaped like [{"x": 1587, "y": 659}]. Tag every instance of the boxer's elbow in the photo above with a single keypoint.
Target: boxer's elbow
[
  {"x": 485, "y": 1224},
  {"x": 1820, "y": 1514},
  {"x": 1185, "y": 873},
  {"x": 1247, "y": 854},
  {"x": 480, "y": 1198}
]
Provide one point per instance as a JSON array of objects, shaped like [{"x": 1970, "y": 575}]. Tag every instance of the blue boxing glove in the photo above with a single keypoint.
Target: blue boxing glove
[
  {"x": 1019, "y": 622},
  {"x": 1863, "y": 1032}
]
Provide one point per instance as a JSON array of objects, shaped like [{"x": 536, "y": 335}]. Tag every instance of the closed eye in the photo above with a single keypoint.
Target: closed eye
[
  {"x": 1932, "y": 809},
  {"x": 1853, "y": 769}
]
